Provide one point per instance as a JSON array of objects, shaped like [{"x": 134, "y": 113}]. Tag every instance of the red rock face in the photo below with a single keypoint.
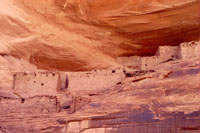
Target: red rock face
[
  {"x": 145, "y": 22},
  {"x": 90, "y": 34}
]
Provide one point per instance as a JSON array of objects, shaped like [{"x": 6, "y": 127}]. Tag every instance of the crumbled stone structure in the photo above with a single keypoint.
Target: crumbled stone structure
[
  {"x": 166, "y": 53},
  {"x": 40, "y": 83},
  {"x": 163, "y": 54}
]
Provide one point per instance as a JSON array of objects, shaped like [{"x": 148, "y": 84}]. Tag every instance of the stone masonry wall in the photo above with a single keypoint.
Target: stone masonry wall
[
  {"x": 93, "y": 80},
  {"x": 32, "y": 84}
]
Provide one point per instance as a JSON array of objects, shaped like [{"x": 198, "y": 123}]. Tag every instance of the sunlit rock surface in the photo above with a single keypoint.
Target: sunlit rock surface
[{"x": 83, "y": 34}]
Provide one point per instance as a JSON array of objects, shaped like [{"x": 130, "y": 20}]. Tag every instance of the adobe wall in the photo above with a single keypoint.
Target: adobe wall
[
  {"x": 93, "y": 80},
  {"x": 40, "y": 83},
  {"x": 189, "y": 50}
]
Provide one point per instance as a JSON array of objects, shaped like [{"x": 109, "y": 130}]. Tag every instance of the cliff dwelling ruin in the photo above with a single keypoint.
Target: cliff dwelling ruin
[
  {"x": 50, "y": 83},
  {"x": 100, "y": 66}
]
